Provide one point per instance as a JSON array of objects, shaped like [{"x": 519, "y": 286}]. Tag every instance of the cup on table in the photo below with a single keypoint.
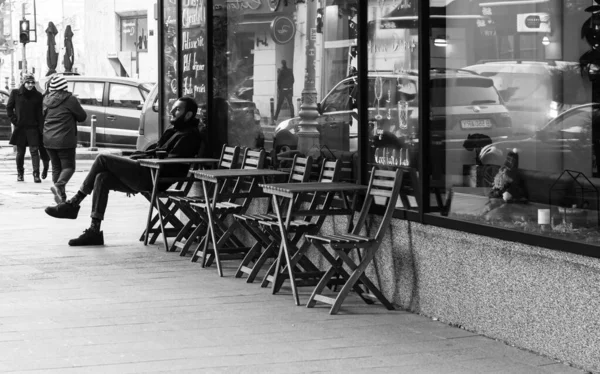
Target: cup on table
[{"x": 161, "y": 154}]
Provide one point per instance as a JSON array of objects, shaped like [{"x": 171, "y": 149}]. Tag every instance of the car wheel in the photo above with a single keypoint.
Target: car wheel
[
  {"x": 284, "y": 148},
  {"x": 488, "y": 174}
]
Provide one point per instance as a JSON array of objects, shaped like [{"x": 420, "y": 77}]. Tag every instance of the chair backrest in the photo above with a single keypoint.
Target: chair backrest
[
  {"x": 301, "y": 169},
  {"x": 253, "y": 159},
  {"x": 229, "y": 157},
  {"x": 330, "y": 171},
  {"x": 383, "y": 184}
]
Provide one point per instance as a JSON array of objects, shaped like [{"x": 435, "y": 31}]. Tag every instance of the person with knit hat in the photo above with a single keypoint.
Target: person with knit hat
[
  {"x": 24, "y": 108},
  {"x": 61, "y": 112}
]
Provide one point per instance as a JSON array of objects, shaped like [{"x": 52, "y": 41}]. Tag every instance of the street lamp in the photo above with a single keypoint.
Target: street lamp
[{"x": 308, "y": 135}]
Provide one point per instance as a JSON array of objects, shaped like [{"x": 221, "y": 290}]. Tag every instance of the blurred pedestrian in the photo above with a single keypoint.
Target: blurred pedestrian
[
  {"x": 285, "y": 87},
  {"x": 61, "y": 112},
  {"x": 24, "y": 108},
  {"x": 183, "y": 139}
]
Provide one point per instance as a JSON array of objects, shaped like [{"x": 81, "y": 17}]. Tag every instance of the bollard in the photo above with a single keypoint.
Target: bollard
[
  {"x": 93, "y": 133},
  {"x": 272, "y": 103}
]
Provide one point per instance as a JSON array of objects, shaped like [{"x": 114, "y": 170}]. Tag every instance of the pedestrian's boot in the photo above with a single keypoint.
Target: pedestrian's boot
[
  {"x": 45, "y": 169},
  {"x": 59, "y": 193},
  {"x": 36, "y": 177},
  {"x": 20, "y": 177}
]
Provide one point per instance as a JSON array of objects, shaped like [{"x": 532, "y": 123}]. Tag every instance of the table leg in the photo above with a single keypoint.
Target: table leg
[
  {"x": 155, "y": 173},
  {"x": 285, "y": 248},
  {"x": 210, "y": 204}
]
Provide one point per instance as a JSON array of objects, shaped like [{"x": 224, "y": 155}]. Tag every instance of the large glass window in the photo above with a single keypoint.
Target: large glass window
[
  {"x": 193, "y": 50},
  {"x": 289, "y": 68},
  {"x": 393, "y": 97},
  {"x": 169, "y": 59},
  {"x": 514, "y": 121}
]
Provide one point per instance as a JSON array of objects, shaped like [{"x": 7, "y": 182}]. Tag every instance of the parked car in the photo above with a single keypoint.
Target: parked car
[
  {"x": 243, "y": 122},
  {"x": 5, "y": 129},
  {"x": 569, "y": 141},
  {"x": 536, "y": 91},
  {"x": 462, "y": 102},
  {"x": 116, "y": 102}
]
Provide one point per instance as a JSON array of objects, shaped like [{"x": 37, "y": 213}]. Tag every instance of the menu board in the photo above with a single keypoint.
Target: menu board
[
  {"x": 193, "y": 49},
  {"x": 169, "y": 42}
]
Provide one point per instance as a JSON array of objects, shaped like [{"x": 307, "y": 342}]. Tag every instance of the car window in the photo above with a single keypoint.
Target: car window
[
  {"x": 517, "y": 87},
  {"x": 88, "y": 93},
  {"x": 463, "y": 91},
  {"x": 123, "y": 96},
  {"x": 340, "y": 97}
]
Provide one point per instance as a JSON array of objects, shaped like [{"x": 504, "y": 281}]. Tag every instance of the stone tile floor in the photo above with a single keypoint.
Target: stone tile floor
[{"x": 128, "y": 308}]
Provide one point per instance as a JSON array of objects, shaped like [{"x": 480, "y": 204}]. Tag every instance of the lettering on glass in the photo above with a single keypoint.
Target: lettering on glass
[{"x": 243, "y": 4}]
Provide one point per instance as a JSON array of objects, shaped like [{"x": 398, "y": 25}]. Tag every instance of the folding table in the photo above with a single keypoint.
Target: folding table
[
  {"x": 222, "y": 204},
  {"x": 289, "y": 254},
  {"x": 165, "y": 212}
]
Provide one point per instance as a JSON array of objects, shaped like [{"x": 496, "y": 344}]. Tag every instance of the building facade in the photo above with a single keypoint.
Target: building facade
[{"x": 491, "y": 108}]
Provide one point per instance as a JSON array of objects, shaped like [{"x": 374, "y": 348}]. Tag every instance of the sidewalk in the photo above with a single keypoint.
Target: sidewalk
[
  {"x": 129, "y": 308},
  {"x": 6, "y": 152}
]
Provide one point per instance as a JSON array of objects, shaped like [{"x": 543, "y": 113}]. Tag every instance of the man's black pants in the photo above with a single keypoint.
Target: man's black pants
[
  {"x": 284, "y": 94},
  {"x": 116, "y": 173}
]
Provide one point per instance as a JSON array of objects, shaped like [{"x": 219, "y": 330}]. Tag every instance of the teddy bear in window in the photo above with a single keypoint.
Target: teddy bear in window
[{"x": 508, "y": 184}]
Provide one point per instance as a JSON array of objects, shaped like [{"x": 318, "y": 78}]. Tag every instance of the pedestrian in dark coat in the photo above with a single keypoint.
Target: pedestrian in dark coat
[
  {"x": 62, "y": 111},
  {"x": 24, "y": 108}
]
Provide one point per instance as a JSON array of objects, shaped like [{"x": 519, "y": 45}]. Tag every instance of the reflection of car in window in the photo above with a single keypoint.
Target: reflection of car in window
[
  {"x": 536, "y": 91},
  {"x": 570, "y": 141},
  {"x": 462, "y": 102}
]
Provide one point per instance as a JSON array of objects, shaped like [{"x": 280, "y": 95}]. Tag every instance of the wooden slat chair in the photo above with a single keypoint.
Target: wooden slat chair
[
  {"x": 330, "y": 172},
  {"x": 231, "y": 246},
  {"x": 168, "y": 206},
  {"x": 300, "y": 171},
  {"x": 383, "y": 184},
  {"x": 193, "y": 227}
]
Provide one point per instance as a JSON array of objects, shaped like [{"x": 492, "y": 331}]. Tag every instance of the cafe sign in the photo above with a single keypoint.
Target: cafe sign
[
  {"x": 283, "y": 30},
  {"x": 533, "y": 22}
]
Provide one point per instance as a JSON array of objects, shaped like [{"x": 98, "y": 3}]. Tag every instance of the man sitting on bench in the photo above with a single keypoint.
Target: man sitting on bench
[{"x": 183, "y": 139}]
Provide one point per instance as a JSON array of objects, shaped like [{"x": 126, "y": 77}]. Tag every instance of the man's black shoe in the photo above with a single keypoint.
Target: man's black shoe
[
  {"x": 63, "y": 210},
  {"x": 89, "y": 237},
  {"x": 20, "y": 178}
]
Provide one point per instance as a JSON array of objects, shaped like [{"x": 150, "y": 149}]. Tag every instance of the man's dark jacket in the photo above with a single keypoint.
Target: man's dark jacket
[
  {"x": 24, "y": 108},
  {"x": 188, "y": 140}
]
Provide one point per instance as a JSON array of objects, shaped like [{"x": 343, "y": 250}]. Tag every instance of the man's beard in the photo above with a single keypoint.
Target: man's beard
[{"x": 178, "y": 122}]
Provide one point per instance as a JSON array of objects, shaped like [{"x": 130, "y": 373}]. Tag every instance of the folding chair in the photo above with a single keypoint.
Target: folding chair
[
  {"x": 300, "y": 171},
  {"x": 383, "y": 184},
  {"x": 193, "y": 228},
  {"x": 231, "y": 247},
  {"x": 330, "y": 172},
  {"x": 166, "y": 208}
]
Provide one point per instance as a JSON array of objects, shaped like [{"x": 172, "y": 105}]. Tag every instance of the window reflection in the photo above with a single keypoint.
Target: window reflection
[{"x": 513, "y": 126}]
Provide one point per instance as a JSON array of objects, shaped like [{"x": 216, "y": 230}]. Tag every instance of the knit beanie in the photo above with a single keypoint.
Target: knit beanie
[
  {"x": 58, "y": 83},
  {"x": 29, "y": 77}
]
